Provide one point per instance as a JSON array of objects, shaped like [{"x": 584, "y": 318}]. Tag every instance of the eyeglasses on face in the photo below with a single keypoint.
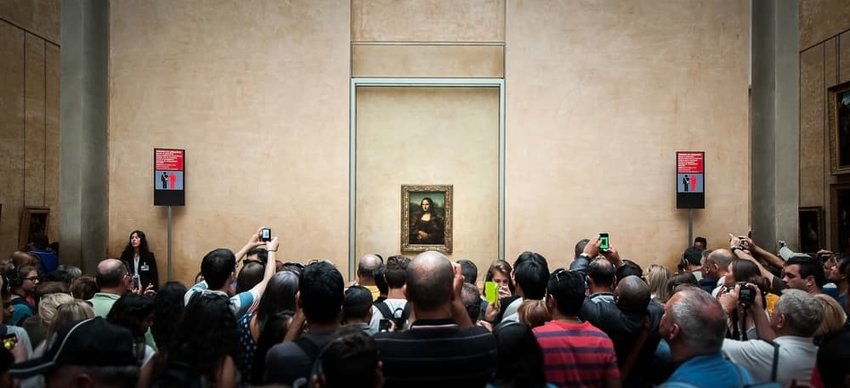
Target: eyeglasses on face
[{"x": 32, "y": 278}]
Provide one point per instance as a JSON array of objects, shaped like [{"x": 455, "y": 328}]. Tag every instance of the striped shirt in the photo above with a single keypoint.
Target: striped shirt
[
  {"x": 576, "y": 354},
  {"x": 434, "y": 353}
]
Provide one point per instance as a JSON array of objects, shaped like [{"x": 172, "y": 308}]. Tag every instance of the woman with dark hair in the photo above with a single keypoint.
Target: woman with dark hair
[
  {"x": 23, "y": 287},
  {"x": 261, "y": 330},
  {"x": 204, "y": 347},
  {"x": 135, "y": 313},
  {"x": 167, "y": 312},
  {"x": 140, "y": 261},
  {"x": 520, "y": 359},
  {"x": 427, "y": 226},
  {"x": 743, "y": 327}
]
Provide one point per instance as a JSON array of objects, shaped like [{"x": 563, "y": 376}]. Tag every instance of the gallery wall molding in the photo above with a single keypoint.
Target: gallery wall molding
[{"x": 362, "y": 82}]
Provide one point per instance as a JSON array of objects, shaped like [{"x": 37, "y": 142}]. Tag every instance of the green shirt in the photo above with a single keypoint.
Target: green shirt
[{"x": 102, "y": 302}]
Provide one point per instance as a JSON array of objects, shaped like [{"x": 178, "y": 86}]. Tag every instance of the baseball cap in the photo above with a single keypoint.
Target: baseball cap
[{"x": 92, "y": 342}]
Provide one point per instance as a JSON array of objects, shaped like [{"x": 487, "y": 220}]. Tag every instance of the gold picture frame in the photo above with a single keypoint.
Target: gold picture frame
[
  {"x": 838, "y": 102},
  {"x": 34, "y": 220},
  {"x": 426, "y": 218}
]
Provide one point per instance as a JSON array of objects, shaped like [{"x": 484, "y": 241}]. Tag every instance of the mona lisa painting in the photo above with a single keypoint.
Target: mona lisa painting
[{"x": 426, "y": 218}]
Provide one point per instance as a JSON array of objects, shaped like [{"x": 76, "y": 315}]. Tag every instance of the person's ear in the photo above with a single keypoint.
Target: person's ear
[
  {"x": 675, "y": 331},
  {"x": 298, "y": 302},
  {"x": 379, "y": 374},
  {"x": 404, "y": 290},
  {"x": 82, "y": 380}
]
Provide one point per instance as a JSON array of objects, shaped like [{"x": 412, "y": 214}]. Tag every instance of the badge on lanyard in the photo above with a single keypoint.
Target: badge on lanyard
[{"x": 144, "y": 267}]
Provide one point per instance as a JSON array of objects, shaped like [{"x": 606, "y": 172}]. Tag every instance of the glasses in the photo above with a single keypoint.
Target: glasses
[
  {"x": 557, "y": 274},
  {"x": 32, "y": 278}
]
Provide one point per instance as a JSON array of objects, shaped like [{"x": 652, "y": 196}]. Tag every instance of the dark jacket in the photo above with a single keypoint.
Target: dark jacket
[{"x": 147, "y": 268}]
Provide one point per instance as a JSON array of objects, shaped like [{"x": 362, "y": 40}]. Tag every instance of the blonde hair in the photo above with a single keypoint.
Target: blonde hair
[
  {"x": 533, "y": 313},
  {"x": 656, "y": 277},
  {"x": 72, "y": 311},
  {"x": 833, "y": 315},
  {"x": 48, "y": 305},
  {"x": 21, "y": 258}
]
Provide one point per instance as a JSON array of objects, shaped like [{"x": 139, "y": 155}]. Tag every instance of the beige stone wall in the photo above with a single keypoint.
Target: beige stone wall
[
  {"x": 258, "y": 96},
  {"x": 824, "y": 63},
  {"x": 600, "y": 96},
  {"x": 29, "y": 115},
  {"x": 428, "y": 136}
]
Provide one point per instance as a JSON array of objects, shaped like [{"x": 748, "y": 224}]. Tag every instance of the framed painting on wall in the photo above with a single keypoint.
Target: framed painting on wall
[
  {"x": 426, "y": 218},
  {"x": 33, "y": 221},
  {"x": 838, "y": 101},
  {"x": 811, "y": 229}
]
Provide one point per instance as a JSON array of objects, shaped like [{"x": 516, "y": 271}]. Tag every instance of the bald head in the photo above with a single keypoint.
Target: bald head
[
  {"x": 632, "y": 294},
  {"x": 110, "y": 276},
  {"x": 369, "y": 263},
  {"x": 429, "y": 281}
]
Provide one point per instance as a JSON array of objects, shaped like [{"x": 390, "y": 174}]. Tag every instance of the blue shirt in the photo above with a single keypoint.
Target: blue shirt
[
  {"x": 709, "y": 371},
  {"x": 240, "y": 303},
  {"x": 49, "y": 260}
]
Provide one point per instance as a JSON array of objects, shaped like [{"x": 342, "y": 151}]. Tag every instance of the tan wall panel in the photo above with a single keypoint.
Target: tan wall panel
[
  {"x": 830, "y": 58},
  {"x": 600, "y": 97},
  {"x": 844, "y": 56},
  {"x": 35, "y": 124},
  {"x": 822, "y": 19},
  {"x": 812, "y": 130},
  {"x": 258, "y": 96},
  {"x": 428, "y": 21},
  {"x": 51, "y": 157},
  {"x": 428, "y": 136},
  {"x": 40, "y": 17},
  {"x": 13, "y": 124},
  {"x": 427, "y": 61}
]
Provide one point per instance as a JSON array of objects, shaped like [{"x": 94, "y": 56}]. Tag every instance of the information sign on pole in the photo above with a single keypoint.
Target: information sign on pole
[
  {"x": 169, "y": 177},
  {"x": 690, "y": 180}
]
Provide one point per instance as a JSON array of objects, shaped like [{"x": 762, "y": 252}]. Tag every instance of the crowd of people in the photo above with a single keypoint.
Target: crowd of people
[{"x": 735, "y": 316}]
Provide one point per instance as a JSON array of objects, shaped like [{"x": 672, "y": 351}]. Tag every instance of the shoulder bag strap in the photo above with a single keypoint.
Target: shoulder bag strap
[{"x": 630, "y": 361}]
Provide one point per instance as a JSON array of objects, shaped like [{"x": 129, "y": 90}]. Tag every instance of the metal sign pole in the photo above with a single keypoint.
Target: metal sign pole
[
  {"x": 169, "y": 244},
  {"x": 690, "y": 229}
]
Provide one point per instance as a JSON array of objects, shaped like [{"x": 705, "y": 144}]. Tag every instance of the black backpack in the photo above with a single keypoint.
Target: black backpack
[{"x": 399, "y": 316}]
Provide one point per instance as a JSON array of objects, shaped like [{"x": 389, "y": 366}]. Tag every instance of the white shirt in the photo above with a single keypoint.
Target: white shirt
[{"x": 797, "y": 356}]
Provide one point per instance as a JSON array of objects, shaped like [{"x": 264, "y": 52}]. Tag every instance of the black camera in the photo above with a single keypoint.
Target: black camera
[{"x": 746, "y": 294}]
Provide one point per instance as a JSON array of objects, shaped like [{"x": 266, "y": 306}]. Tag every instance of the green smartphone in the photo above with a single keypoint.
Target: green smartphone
[
  {"x": 603, "y": 241},
  {"x": 491, "y": 292}
]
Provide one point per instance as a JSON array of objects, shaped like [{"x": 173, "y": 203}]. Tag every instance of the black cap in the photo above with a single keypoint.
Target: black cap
[{"x": 93, "y": 342}]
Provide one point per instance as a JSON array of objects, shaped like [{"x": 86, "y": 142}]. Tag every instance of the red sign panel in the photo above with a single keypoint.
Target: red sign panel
[
  {"x": 168, "y": 160},
  {"x": 690, "y": 162}
]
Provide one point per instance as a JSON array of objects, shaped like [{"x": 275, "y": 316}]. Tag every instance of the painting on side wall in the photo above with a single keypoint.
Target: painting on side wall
[
  {"x": 426, "y": 218},
  {"x": 811, "y": 229},
  {"x": 33, "y": 221},
  {"x": 839, "y": 125}
]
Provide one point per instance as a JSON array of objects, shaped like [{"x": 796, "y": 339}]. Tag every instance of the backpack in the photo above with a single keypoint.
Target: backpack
[{"x": 399, "y": 316}]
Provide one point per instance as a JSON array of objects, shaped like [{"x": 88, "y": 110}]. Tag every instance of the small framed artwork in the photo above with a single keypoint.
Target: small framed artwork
[
  {"x": 426, "y": 218},
  {"x": 33, "y": 221},
  {"x": 811, "y": 229},
  {"x": 838, "y": 102}
]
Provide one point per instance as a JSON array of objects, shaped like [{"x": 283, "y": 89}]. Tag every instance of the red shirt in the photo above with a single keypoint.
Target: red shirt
[{"x": 576, "y": 354}]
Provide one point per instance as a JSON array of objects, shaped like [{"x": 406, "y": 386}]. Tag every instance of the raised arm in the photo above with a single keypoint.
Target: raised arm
[{"x": 253, "y": 241}]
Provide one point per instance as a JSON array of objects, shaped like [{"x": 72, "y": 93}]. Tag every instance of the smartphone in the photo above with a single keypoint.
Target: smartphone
[
  {"x": 603, "y": 241},
  {"x": 491, "y": 292},
  {"x": 137, "y": 282},
  {"x": 265, "y": 234},
  {"x": 383, "y": 325},
  {"x": 9, "y": 341}
]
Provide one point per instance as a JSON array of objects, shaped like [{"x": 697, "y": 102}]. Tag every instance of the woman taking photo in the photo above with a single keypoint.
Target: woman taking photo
[{"x": 140, "y": 261}]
